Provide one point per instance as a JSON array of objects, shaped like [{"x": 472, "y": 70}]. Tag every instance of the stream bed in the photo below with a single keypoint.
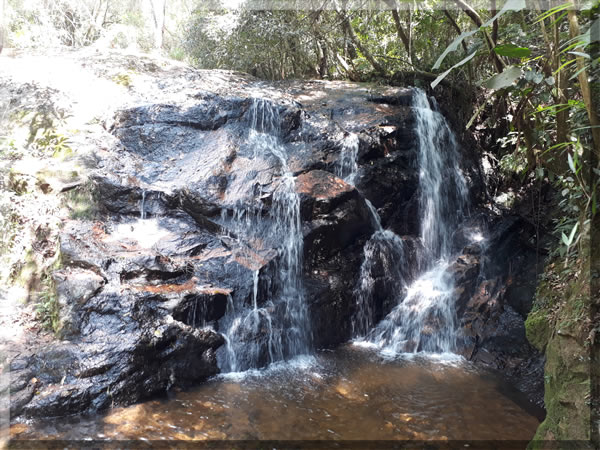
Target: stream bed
[{"x": 351, "y": 393}]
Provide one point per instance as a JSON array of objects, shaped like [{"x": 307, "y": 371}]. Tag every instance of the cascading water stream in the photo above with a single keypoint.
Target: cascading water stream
[
  {"x": 424, "y": 319},
  {"x": 384, "y": 249},
  {"x": 277, "y": 327},
  {"x": 442, "y": 187},
  {"x": 347, "y": 167},
  {"x": 143, "y": 205}
]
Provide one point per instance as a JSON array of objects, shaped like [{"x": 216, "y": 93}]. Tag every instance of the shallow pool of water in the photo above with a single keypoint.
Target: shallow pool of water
[{"x": 351, "y": 393}]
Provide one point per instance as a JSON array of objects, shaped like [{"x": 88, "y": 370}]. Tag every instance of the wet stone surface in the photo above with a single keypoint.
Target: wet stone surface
[{"x": 145, "y": 284}]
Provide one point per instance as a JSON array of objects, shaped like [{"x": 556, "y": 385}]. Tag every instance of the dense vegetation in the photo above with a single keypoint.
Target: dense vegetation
[{"x": 531, "y": 67}]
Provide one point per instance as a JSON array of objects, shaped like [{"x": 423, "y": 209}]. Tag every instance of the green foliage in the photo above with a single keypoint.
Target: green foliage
[
  {"x": 268, "y": 44},
  {"x": 124, "y": 79},
  {"x": 81, "y": 202},
  {"x": 10, "y": 225},
  {"x": 512, "y": 51},
  {"x": 48, "y": 308},
  {"x": 17, "y": 183},
  {"x": 54, "y": 143}
]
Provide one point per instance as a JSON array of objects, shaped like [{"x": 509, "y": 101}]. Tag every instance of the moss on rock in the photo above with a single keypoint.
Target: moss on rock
[
  {"x": 559, "y": 325},
  {"x": 538, "y": 329}
]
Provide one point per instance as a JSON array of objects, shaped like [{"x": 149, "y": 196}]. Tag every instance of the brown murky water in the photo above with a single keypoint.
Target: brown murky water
[{"x": 351, "y": 393}]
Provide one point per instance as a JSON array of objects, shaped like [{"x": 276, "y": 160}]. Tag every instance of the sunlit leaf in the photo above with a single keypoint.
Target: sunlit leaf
[
  {"x": 573, "y": 231},
  {"x": 510, "y": 5},
  {"x": 571, "y": 164},
  {"x": 512, "y": 51},
  {"x": 437, "y": 81},
  {"x": 504, "y": 79},
  {"x": 452, "y": 47},
  {"x": 582, "y": 54}
]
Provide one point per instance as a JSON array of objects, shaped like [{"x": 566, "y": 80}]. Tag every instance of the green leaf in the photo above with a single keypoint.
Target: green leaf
[
  {"x": 512, "y": 51},
  {"x": 437, "y": 81},
  {"x": 553, "y": 11},
  {"x": 571, "y": 164},
  {"x": 584, "y": 55},
  {"x": 504, "y": 79},
  {"x": 453, "y": 46},
  {"x": 572, "y": 235},
  {"x": 510, "y": 5},
  {"x": 565, "y": 239}
]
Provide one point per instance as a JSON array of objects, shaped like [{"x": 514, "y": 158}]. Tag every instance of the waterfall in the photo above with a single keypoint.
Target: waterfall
[
  {"x": 382, "y": 254},
  {"x": 442, "y": 186},
  {"x": 424, "y": 318},
  {"x": 347, "y": 167},
  {"x": 275, "y": 327}
]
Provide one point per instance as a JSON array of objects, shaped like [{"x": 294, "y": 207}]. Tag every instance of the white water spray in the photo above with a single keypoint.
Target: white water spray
[
  {"x": 143, "y": 205},
  {"x": 276, "y": 327},
  {"x": 425, "y": 318}
]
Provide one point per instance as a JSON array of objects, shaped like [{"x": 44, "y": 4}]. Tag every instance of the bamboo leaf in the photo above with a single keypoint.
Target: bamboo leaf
[
  {"x": 584, "y": 55},
  {"x": 553, "y": 11},
  {"x": 572, "y": 235},
  {"x": 571, "y": 164},
  {"x": 512, "y": 51},
  {"x": 504, "y": 79},
  {"x": 453, "y": 46},
  {"x": 510, "y": 5},
  {"x": 437, "y": 81}
]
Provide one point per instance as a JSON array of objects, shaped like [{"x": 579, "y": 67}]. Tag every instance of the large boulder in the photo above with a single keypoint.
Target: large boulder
[{"x": 186, "y": 199}]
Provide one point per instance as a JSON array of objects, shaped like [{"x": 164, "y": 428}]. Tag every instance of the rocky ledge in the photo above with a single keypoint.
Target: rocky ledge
[{"x": 143, "y": 282}]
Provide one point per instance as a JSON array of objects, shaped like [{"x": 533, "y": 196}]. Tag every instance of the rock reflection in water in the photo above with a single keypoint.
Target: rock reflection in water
[{"x": 347, "y": 394}]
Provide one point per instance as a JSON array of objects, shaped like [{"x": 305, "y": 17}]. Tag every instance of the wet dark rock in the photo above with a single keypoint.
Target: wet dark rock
[
  {"x": 135, "y": 294},
  {"x": 493, "y": 330},
  {"x": 200, "y": 308},
  {"x": 111, "y": 369},
  {"x": 335, "y": 215},
  {"x": 74, "y": 287}
]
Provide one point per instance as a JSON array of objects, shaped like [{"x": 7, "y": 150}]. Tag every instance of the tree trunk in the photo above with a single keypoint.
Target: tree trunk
[
  {"x": 562, "y": 116},
  {"x": 584, "y": 86},
  {"x": 493, "y": 12},
  {"x": 159, "y": 22},
  {"x": 363, "y": 49},
  {"x": 399, "y": 29},
  {"x": 469, "y": 11}
]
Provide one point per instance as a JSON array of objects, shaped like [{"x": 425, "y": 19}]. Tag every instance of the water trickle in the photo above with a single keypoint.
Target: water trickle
[
  {"x": 142, "y": 205},
  {"x": 424, "y": 318},
  {"x": 375, "y": 219},
  {"x": 347, "y": 167},
  {"x": 275, "y": 327},
  {"x": 382, "y": 254}
]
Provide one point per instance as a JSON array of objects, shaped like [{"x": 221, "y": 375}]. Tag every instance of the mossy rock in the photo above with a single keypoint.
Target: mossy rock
[
  {"x": 567, "y": 392},
  {"x": 537, "y": 329},
  {"x": 558, "y": 328}
]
